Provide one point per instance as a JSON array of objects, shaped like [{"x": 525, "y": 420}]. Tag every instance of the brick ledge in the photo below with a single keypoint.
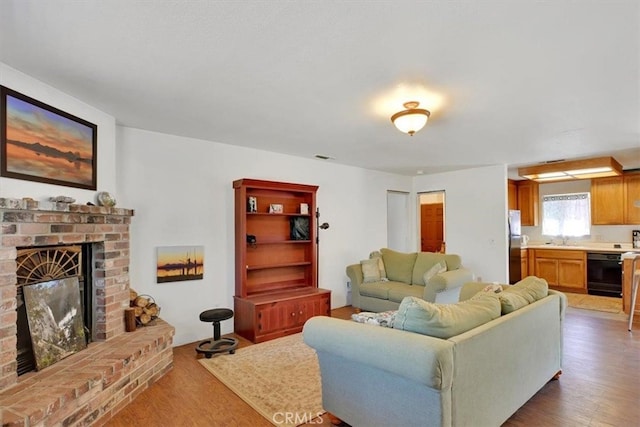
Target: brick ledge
[
  {"x": 33, "y": 205},
  {"x": 92, "y": 384}
]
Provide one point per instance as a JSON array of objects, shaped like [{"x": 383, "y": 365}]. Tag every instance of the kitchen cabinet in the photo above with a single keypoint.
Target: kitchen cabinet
[
  {"x": 562, "y": 269},
  {"x": 512, "y": 194},
  {"x": 276, "y": 264},
  {"x": 524, "y": 263},
  {"x": 632, "y": 198},
  {"x": 627, "y": 277},
  {"x": 616, "y": 200},
  {"x": 528, "y": 202},
  {"x": 607, "y": 201}
]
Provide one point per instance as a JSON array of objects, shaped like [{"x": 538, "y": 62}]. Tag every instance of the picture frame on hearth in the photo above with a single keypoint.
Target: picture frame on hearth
[
  {"x": 54, "y": 314},
  {"x": 41, "y": 143}
]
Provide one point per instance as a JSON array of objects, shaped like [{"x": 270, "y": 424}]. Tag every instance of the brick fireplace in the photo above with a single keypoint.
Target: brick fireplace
[{"x": 90, "y": 386}]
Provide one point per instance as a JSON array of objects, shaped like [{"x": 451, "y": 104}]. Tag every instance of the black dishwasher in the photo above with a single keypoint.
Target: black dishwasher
[{"x": 604, "y": 274}]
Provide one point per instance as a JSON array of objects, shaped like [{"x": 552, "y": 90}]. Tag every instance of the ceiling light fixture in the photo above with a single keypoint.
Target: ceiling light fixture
[
  {"x": 573, "y": 169},
  {"x": 412, "y": 119}
]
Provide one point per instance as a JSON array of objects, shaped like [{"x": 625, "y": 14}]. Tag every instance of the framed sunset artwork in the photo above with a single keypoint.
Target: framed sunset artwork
[{"x": 41, "y": 143}]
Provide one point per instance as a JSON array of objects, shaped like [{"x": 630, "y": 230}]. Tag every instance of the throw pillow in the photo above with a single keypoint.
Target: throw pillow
[
  {"x": 493, "y": 288},
  {"x": 528, "y": 290},
  {"x": 370, "y": 270},
  {"x": 510, "y": 302},
  {"x": 445, "y": 320},
  {"x": 399, "y": 265},
  {"x": 385, "y": 318},
  {"x": 377, "y": 255},
  {"x": 439, "y": 267}
]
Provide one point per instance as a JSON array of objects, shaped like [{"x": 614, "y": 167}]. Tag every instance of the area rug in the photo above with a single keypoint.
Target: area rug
[
  {"x": 595, "y": 302},
  {"x": 279, "y": 378}
]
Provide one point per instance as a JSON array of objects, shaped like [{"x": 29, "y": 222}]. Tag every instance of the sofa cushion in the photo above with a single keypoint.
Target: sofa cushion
[
  {"x": 370, "y": 270},
  {"x": 399, "y": 265},
  {"x": 377, "y": 255},
  {"x": 424, "y": 262},
  {"x": 453, "y": 261},
  {"x": 445, "y": 320},
  {"x": 398, "y": 293},
  {"x": 378, "y": 290},
  {"x": 524, "y": 292}
]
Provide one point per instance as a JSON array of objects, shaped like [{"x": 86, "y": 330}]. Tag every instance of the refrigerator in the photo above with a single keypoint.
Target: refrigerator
[{"x": 515, "y": 273}]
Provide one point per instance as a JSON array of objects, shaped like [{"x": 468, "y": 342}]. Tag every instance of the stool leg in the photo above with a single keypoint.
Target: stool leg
[
  {"x": 634, "y": 292},
  {"x": 216, "y": 331}
]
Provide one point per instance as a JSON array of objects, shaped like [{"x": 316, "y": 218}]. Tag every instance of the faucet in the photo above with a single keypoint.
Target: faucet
[{"x": 565, "y": 240}]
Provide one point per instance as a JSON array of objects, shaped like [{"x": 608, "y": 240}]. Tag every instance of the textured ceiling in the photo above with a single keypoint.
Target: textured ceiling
[{"x": 508, "y": 82}]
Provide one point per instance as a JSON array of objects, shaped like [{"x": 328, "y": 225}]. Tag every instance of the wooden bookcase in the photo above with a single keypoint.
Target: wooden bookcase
[{"x": 276, "y": 276}]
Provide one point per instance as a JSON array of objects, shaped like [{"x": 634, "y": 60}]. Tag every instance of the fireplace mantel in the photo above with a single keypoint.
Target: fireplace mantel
[{"x": 28, "y": 223}]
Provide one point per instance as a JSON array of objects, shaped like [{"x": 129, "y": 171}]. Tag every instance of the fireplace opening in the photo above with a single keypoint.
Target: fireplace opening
[{"x": 43, "y": 264}]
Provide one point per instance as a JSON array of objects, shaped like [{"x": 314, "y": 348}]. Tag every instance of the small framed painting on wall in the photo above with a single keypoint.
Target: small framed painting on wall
[{"x": 178, "y": 263}]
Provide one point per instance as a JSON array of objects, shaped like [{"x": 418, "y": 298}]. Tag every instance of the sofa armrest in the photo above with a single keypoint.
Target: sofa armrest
[
  {"x": 445, "y": 281},
  {"x": 419, "y": 358},
  {"x": 354, "y": 272}
]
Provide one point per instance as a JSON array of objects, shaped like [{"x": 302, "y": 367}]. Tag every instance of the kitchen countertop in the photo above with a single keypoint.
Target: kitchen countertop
[{"x": 589, "y": 247}]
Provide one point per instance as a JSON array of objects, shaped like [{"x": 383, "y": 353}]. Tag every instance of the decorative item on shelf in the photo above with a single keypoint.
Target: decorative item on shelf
[
  {"x": 144, "y": 307},
  {"x": 299, "y": 228},
  {"x": 304, "y": 208},
  {"x": 106, "y": 199},
  {"x": 275, "y": 208},
  {"x": 62, "y": 199},
  {"x": 252, "y": 241},
  {"x": 252, "y": 204}
]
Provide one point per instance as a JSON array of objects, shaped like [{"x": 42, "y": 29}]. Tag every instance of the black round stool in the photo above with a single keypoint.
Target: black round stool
[{"x": 217, "y": 344}]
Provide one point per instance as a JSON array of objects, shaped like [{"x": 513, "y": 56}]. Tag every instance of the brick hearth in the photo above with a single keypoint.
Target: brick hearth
[{"x": 92, "y": 385}]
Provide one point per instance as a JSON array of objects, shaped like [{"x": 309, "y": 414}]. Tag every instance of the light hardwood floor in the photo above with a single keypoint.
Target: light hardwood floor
[{"x": 600, "y": 384}]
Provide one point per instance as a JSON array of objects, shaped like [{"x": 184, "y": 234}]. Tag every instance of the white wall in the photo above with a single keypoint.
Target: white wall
[
  {"x": 181, "y": 191},
  {"x": 475, "y": 217},
  {"x": 16, "y": 188},
  {"x": 599, "y": 233}
]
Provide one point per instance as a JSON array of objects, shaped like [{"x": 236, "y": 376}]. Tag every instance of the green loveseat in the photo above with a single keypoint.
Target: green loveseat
[{"x": 404, "y": 276}]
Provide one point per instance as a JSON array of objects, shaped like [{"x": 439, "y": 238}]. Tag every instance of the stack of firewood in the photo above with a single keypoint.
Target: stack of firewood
[{"x": 144, "y": 307}]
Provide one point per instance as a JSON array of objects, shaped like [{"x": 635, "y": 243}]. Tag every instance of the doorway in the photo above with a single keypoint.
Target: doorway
[{"x": 432, "y": 209}]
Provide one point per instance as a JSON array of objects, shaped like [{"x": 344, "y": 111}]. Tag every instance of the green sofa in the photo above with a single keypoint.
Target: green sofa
[
  {"x": 404, "y": 276},
  {"x": 374, "y": 376}
]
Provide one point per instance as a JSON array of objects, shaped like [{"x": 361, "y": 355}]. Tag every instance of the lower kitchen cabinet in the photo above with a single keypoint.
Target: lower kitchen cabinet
[
  {"x": 524, "y": 263},
  {"x": 562, "y": 269}
]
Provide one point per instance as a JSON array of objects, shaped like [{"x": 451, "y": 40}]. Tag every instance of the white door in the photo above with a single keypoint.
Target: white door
[{"x": 398, "y": 221}]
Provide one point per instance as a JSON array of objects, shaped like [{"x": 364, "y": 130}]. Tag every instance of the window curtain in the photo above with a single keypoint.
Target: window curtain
[{"x": 566, "y": 215}]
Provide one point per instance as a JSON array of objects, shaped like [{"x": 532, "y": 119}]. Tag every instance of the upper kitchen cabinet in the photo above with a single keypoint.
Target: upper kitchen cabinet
[
  {"x": 528, "y": 202},
  {"x": 607, "y": 201},
  {"x": 614, "y": 199},
  {"x": 632, "y": 198},
  {"x": 512, "y": 194}
]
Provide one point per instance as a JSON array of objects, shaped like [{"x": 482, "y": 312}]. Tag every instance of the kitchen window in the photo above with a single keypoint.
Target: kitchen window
[{"x": 567, "y": 215}]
